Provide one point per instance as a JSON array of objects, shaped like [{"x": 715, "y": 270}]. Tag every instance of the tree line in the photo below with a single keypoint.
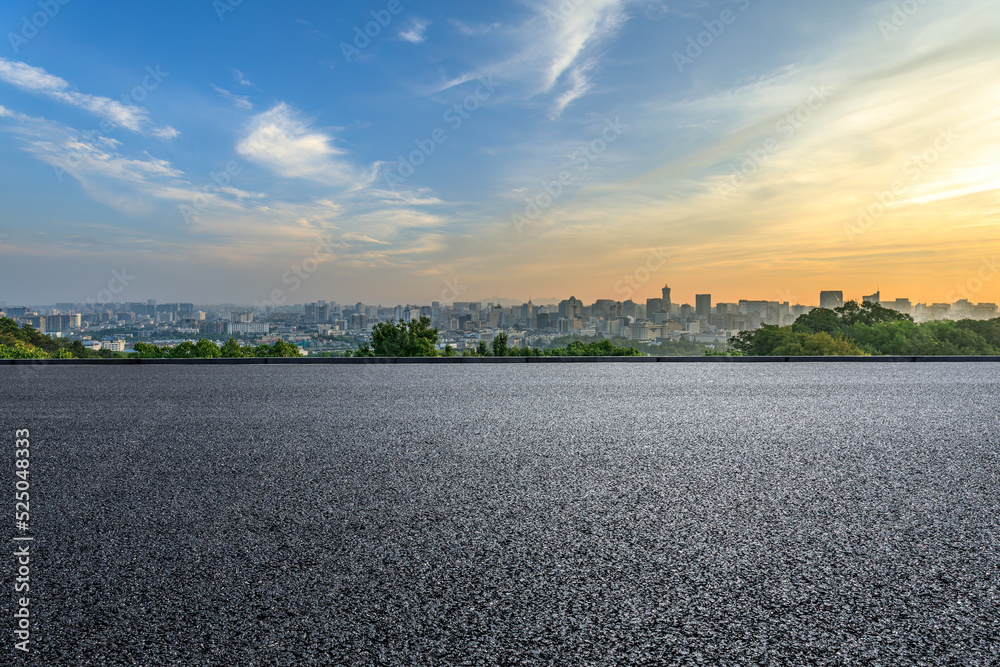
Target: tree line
[
  {"x": 418, "y": 339},
  {"x": 869, "y": 329},
  {"x": 17, "y": 342}
]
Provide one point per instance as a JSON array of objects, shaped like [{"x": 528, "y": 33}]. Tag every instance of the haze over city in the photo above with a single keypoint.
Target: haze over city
[{"x": 524, "y": 150}]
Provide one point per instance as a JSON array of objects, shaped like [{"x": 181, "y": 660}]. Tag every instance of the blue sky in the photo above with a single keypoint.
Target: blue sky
[{"x": 259, "y": 152}]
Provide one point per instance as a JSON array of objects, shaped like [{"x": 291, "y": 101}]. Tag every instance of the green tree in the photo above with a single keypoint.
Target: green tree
[
  {"x": 816, "y": 344},
  {"x": 364, "y": 350},
  {"x": 868, "y": 313},
  {"x": 482, "y": 350},
  {"x": 405, "y": 339},
  {"x": 284, "y": 349},
  {"x": 149, "y": 351},
  {"x": 760, "y": 342},
  {"x": 206, "y": 349},
  {"x": 21, "y": 350},
  {"x": 818, "y": 319},
  {"x": 231, "y": 349},
  {"x": 185, "y": 350},
  {"x": 449, "y": 351},
  {"x": 499, "y": 345}
]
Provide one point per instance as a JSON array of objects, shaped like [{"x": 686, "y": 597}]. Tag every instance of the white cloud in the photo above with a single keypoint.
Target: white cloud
[
  {"x": 241, "y": 101},
  {"x": 579, "y": 86},
  {"x": 573, "y": 29},
  {"x": 282, "y": 141},
  {"x": 470, "y": 30},
  {"x": 553, "y": 51},
  {"x": 240, "y": 79},
  {"x": 415, "y": 33},
  {"x": 37, "y": 80}
]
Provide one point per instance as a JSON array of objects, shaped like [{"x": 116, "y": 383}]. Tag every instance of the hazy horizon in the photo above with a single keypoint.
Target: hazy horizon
[{"x": 209, "y": 149}]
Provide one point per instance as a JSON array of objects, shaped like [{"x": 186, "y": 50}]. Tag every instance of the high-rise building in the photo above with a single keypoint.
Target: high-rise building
[
  {"x": 570, "y": 308},
  {"x": 831, "y": 299},
  {"x": 666, "y": 299},
  {"x": 702, "y": 305},
  {"x": 653, "y": 306},
  {"x": 323, "y": 311},
  {"x": 872, "y": 298},
  {"x": 902, "y": 305}
]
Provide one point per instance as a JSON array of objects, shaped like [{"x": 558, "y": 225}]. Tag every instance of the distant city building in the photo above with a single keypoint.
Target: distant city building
[
  {"x": 983, "y": 311},
  {"x": 702, "y": 305},
  {"x": 872, "y": 298},
  {"x": 571, "y": 308},
  {"x": 245, "y": 328},
  {"x": 902, "y": 305},
  {"x": 665, "y": 299},
  {"x": 113, "y": 344},
  {"x": 831, "y": 299}
]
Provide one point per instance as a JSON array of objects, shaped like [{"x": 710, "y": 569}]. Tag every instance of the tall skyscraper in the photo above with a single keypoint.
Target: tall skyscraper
[
  {"x": 831, "y": 299},
  {"x": 702, "y": 305},
  {"x": 666, "y": 299}
]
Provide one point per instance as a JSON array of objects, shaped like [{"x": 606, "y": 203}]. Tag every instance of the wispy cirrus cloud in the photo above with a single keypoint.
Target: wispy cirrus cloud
[
  {"x": 554, "y": 51},
  {"x": 240, "y": 101},
  {"x": 240, "y": 79},
  {"x": 473, "y": 30},
  {"x": 415, "y": 32},
  {"x": 281, "y": 140},
  {"x": 37, "y": 80}
]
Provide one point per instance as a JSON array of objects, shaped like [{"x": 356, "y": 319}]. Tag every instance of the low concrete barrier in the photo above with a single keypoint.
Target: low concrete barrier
[{"x": 281, "y": 361}]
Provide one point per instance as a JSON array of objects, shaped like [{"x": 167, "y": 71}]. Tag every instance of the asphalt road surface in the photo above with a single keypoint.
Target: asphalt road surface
[{"x": 591, "y": 514}]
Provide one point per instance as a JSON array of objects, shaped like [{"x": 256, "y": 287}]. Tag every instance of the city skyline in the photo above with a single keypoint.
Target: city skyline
[
  {"x": 747, "y": 147},
  {"x": 703, "y": 303}
]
